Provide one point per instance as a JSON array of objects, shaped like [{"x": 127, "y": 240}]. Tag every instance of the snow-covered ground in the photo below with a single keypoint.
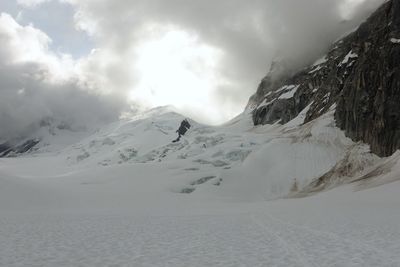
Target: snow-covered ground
[{"x": 127, "y": 196}]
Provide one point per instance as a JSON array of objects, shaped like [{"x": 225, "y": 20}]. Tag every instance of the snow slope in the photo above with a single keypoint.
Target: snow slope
[{"x": 127, "y": 196}]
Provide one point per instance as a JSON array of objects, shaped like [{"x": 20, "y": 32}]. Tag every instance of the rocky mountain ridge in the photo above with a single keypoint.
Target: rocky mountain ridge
[
  {"x": 359, "y": 76},
  {"x": 41, "y": 135}
]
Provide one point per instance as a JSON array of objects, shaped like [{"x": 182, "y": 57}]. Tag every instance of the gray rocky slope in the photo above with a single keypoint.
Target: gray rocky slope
[{"x": 360, "y": 75}]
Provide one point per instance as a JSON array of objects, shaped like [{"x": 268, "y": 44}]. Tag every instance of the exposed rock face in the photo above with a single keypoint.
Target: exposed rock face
[
  {"x": 360, "y": 75},
  {"x": 7, "y": 149},
  {"x": 33, "y": 139}
]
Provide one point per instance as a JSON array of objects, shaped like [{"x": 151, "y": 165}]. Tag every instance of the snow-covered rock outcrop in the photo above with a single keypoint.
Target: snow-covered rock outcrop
[{"x": 360, "y": 75}]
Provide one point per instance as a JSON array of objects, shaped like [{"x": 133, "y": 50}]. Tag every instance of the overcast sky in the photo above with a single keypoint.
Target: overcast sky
[{"x": 90, "y": 60}]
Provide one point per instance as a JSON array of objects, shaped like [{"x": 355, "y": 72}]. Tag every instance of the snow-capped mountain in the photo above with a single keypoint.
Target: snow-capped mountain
[
  {"x": 360, "y": 76},
  {"x": 47, "y": 135},
  {"x": 354, "y": 87},
  {"x": 126, "y": 195},
  {"x": 243, "y": 160},
  {"x": 298, "y": 179}
]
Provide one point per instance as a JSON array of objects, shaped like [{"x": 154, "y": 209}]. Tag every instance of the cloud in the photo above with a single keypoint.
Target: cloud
[
  {"x": 26, "y": 44},
  {"x": 31, "y": 3},
  {"x": 249, "y": 34},
  {"x": 36, "y": 84},
  {"x": 204, "y": 56}
]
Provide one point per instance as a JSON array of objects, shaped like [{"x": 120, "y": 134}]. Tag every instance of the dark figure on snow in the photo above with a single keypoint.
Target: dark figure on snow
[{"x": 185, "y": 125}]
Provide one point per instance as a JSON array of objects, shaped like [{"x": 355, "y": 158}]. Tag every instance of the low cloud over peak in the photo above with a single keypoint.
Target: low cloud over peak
[
  {"x": 249, "y": 34},
  {"x": 205, "y": 57}
]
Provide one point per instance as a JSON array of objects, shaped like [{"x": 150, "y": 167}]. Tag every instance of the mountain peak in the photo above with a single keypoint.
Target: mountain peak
[{"x": 359, "y": 77}]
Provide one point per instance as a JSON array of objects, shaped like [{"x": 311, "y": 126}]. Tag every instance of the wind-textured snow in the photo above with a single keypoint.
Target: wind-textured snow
[{"x": 127, "y": 196}]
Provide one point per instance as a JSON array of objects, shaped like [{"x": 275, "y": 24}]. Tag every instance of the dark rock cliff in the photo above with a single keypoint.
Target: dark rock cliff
[
  {"x": 7, "y": 149},
  {"x": 29, "y": 143},
  {"x": 360, "y": 75}
]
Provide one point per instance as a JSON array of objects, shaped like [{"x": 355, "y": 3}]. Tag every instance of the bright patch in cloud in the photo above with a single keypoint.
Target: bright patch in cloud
[{"x": 175, "y": 68}]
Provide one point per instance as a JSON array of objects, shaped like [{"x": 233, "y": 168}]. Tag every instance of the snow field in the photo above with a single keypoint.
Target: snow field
[{"x": 202, "y": 201}]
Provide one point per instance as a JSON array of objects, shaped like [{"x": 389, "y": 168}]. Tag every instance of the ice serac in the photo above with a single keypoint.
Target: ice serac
[{"x": 360, "y": 75}]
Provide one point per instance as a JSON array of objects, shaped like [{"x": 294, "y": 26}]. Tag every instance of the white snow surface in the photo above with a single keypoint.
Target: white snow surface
[
  {"x": 317, "y": 68},
  {"x": 320, "y": 61},
  {"x": 290, "y": 93},
  {"x": 395, "y": 40},
  {"x": 285, "y": 88},
  {"x": 266, "y": 103},
  {"x": 115, "y": 198},
  {"x": 299, "y": 120},
  {"x": 348, "y": 57}
]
